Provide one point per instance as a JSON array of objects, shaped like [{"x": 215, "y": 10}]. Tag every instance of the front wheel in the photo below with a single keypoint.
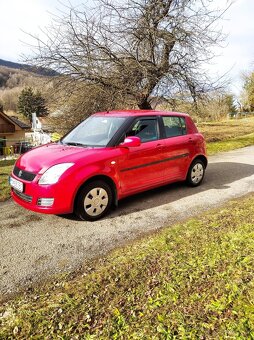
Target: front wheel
[
  {"x": 93, "y": 201},
  {"x": 196, "y": 173}
]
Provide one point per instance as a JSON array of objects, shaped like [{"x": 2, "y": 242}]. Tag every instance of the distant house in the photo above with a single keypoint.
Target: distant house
[{"x": 12, "y": 130}]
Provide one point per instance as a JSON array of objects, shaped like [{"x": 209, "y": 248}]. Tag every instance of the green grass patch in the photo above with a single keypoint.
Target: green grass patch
[
  {"x": 192, "y": 281},
  {"x": 230, "y": 144},
  {"x": 5, "y": 170}
]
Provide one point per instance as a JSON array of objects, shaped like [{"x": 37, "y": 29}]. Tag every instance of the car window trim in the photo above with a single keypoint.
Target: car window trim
[
  {"x": 116, "y": 139},
  {"x": 183, "y": 119}
]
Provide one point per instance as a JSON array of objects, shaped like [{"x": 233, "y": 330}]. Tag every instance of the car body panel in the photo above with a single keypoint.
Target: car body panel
[{"x": 146, "y": 159}]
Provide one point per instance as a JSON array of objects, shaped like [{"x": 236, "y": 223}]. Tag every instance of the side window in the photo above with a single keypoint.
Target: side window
[
  {"x": 145, "y": 129},
  {"x": 174, "y": 126}
]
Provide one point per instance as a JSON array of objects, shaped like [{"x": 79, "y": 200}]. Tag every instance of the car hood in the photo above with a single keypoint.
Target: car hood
[{"x": 43, "y": 157}]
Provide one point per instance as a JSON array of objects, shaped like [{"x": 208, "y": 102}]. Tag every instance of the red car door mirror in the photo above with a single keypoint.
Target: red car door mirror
[{"x": 131, "y": 141}]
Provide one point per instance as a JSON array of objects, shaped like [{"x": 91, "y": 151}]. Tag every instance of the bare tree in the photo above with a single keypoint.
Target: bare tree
[
  {"x": 82, "y": 100},
  {"x": 134, "y": 49}
]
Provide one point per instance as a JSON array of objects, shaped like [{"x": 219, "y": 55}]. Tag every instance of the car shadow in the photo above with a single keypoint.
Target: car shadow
[{"x": 218, "y": 176}]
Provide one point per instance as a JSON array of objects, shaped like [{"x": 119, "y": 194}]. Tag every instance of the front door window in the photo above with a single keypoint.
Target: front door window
[{"x": 145, "y": 129}]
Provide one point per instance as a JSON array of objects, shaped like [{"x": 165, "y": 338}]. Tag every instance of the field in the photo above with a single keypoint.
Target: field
[
  {"x": 191, "y": 281},
  {"x": 226, "y": 130},
  {"x": 228, "y": 135}
]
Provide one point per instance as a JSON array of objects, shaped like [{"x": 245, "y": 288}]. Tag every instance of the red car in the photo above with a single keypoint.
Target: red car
[{"x": 110, "y": 155}]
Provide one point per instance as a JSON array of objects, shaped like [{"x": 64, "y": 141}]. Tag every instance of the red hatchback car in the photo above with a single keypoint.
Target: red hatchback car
[{"x": 108, "y": 156}]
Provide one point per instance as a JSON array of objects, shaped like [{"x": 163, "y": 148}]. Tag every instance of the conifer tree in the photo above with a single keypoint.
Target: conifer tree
[{"x": 30, "y": 101}]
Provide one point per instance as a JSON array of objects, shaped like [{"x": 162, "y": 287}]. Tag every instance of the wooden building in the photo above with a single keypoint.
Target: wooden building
[{"x": 12, "y": 130}]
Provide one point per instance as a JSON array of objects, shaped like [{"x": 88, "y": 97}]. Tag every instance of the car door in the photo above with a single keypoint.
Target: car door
[
  {"x": 178, "y": 148},
  {"x": 142, "y": 167}
]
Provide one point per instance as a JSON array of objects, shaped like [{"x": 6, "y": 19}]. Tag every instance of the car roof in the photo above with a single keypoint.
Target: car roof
[{"x": 139, "y": 113}]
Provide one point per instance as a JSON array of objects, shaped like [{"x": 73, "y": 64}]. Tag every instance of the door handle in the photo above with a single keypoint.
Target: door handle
[{"x": 159, "y": 146}]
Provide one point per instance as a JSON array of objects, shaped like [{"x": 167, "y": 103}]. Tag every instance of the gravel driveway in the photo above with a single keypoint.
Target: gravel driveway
[{"x": 34, "y": 246}]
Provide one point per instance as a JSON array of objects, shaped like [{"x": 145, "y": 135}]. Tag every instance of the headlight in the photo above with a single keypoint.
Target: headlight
[{"x": 52, "y": 175}]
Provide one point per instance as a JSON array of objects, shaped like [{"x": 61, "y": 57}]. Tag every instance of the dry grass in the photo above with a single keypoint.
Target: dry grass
[{"x": 226, "y": 130}]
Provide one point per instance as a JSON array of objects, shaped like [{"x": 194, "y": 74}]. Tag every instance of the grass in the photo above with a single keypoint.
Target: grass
[
  {"x": 228, "y": 135},
  {"x": 5, "y": 170},
  {"x": 192, "y": 281},
  {"x": 230, "y": 144},
  {"x": 226, "y": 130}
]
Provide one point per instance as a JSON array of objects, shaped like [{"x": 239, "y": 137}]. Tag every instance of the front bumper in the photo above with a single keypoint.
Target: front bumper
[{"x": 57, "y": 198}]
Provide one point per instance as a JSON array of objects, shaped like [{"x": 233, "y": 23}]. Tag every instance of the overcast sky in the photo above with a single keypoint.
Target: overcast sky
[{"x": 19, "y": 16}]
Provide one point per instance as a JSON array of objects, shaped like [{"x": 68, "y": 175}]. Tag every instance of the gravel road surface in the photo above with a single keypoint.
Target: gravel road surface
[{"x": 35, "y": 246}]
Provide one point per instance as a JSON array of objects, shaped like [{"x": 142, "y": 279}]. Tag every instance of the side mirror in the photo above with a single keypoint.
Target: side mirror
[{"x": 131, "y": 141}]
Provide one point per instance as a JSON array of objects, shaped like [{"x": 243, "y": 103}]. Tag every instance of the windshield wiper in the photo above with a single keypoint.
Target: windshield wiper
[{"x": 75, "y": 144}]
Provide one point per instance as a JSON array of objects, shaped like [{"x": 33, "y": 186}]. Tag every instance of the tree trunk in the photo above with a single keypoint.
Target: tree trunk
[{"x": 144, "y": 104}]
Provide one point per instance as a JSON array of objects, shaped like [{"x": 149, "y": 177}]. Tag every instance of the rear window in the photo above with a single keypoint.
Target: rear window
[{"x": 174, "y": 126}]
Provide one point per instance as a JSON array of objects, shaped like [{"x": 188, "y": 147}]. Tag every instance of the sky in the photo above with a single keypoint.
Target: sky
[{"x": 19, "y": 17}]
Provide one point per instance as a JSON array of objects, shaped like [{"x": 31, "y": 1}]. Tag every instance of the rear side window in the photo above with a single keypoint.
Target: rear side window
[{"x": 174, "y": 126}]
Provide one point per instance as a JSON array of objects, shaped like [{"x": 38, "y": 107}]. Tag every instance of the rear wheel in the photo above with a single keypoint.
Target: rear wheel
[
  {"x": 93, "y": 201},
  {"x": 196, "y": 173}
]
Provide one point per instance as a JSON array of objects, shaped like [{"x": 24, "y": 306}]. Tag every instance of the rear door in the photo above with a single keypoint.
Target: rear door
[
  {"x": 142, "y": 167},
  {"x": 178, "y": 148}
]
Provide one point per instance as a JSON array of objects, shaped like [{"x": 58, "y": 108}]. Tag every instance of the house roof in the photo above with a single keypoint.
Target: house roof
[
  {"x": 22, "y": 125},
  {"x": 15, "y": 120}
]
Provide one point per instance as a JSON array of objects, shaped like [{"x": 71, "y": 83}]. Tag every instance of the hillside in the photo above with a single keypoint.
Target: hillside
[
  {"x": 38, "y": 70},
  {"x": 14, "y": 77}
]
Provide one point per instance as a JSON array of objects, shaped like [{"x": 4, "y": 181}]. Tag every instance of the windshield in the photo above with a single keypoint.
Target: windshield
[{"x": 94, "y": 131}]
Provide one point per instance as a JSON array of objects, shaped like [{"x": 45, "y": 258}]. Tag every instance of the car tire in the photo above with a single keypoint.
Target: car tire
[
  {"x": 196, "y": 173},
  {"x": 93, "y": 201}
]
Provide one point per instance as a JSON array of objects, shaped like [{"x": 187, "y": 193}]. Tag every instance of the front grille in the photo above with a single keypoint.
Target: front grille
[
  {"x": 23, "y": 196},
  {"x": 22, "y": 174}
]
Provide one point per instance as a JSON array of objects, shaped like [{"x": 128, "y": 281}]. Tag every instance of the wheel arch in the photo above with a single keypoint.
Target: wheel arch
[
  {"x": 104, "y": 178},
  {"x": 202, "y": 158}
]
